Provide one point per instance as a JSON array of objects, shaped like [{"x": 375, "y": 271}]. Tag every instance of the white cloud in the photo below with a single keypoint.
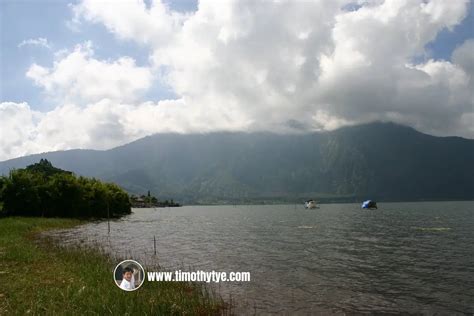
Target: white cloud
[
  {"x": 100, "y": 125},
  {"x": 40, "y": 41},
  {"x": 131, "y": 19},
  {"x": 370, "y": 74},
  {"x": 17, "y": 129},
  {"x": 275, "y": 62},
  {"x": 463, "y": 56},
  {"x": 258, "y": 65},
  {"x": 77, "y": 77}
]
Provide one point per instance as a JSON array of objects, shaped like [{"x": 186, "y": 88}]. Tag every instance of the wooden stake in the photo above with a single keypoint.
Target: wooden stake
[{"x": 108, "y": 218}]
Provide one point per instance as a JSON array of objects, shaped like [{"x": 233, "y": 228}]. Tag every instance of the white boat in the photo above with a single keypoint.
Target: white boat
[{"x": 310, "y": 204}]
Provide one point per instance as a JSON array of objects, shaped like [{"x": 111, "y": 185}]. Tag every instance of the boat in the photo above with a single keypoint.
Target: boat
[
  {"x": 310, "y": 204},
  {"x": 369, "y": 205}
]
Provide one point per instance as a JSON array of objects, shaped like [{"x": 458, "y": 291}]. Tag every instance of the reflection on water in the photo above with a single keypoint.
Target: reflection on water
[{"x": 404, "y": 257}]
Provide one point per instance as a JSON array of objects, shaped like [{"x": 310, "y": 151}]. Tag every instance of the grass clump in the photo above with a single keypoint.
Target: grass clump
[{"x": 43, "y": 278}]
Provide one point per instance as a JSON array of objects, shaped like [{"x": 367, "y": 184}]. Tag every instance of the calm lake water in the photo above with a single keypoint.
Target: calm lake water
[{"x": 404, "y": 257}]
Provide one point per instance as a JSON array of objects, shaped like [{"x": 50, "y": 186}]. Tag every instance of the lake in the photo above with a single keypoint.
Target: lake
[{"x": 403, "y": 257}]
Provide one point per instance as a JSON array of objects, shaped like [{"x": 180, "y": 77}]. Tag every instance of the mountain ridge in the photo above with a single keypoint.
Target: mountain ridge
[{"x": 379, "y": 160}]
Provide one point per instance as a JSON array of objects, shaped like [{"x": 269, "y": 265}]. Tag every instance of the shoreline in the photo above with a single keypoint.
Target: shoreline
[
  {"x": 43, "y": 277},
  {"x": 301, "y": 203}
]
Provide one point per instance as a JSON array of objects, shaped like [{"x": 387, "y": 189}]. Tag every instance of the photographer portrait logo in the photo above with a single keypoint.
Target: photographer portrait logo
[{"x": 129, "y": 275}]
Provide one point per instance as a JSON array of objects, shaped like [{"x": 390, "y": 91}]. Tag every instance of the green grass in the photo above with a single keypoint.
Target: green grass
[{"x": 39, "y": 277}]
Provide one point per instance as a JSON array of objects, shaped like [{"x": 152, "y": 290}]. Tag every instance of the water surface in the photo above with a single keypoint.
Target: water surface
[{"x": 404, "y": 257}]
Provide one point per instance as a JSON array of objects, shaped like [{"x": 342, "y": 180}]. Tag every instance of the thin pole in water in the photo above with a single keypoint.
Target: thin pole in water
[
  {"x": 154, "y": 243},
  {"x": 108, "y": 218}
]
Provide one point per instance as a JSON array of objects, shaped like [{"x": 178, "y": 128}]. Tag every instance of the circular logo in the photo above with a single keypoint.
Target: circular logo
[{"x": 129, "y": 275}]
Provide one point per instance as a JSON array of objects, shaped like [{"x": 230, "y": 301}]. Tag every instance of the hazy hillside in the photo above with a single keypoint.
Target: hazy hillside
[{"x": 379, "y": 160}]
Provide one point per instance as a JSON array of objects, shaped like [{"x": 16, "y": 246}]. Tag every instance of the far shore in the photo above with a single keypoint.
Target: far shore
[{"x": 320, "y": 201}]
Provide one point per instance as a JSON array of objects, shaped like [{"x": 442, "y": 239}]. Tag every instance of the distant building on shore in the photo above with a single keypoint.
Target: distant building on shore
[{"x": 144, "y": 201}]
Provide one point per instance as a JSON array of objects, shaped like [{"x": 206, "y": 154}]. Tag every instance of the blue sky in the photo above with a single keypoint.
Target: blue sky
[
  {"x": 23, "y": 20},
  {"x": 448, "y": 40}
]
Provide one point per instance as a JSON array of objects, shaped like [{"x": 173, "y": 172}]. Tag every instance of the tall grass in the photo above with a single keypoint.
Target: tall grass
[{"x": 40, "y": 277}]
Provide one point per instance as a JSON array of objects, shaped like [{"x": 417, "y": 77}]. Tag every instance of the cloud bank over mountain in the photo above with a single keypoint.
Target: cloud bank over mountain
[{"x": 283, "y": 66}]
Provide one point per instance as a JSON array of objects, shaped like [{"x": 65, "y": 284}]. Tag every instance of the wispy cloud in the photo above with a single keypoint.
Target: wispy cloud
[{"x": 40, "y": 41}]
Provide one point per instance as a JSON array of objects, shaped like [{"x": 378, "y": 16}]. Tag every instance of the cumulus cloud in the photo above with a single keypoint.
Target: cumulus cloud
[
  {"x": 40, "y": 41},
  {"x": 18, "y": 124},
  {"x": 463, "y": 56},
  {"x": 130, "y": 19},
  {"x": 315, "y": 63},
  {"x": 78, "y": 77},
  {"x": 285, "y": 66},
  {"x": 370, "y": 74}
]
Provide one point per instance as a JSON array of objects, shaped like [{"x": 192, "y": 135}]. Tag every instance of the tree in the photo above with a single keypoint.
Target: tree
[{"x": 43, "y": 190}]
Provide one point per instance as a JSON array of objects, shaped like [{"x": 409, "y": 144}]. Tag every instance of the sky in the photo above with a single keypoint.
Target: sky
[{"x": 98, "y": 74}]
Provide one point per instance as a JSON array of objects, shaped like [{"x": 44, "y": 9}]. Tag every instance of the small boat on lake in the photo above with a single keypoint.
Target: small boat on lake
[
  {"x": 369, "y": 205},
  {"x": 310, "y": 204}
]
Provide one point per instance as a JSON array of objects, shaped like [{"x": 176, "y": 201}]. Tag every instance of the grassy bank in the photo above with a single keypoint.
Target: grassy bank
[{"x": 42, "y": 278}]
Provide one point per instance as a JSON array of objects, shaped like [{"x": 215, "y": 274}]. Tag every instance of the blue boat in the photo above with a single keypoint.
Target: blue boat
[{"x": 369, "y": 204}]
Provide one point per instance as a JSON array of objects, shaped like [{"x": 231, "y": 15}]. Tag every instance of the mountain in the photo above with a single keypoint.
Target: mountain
[{"x": 381, "y": 161}]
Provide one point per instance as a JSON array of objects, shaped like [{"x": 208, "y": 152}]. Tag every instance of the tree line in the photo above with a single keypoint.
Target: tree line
[{"x": 44, "y": 190}]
